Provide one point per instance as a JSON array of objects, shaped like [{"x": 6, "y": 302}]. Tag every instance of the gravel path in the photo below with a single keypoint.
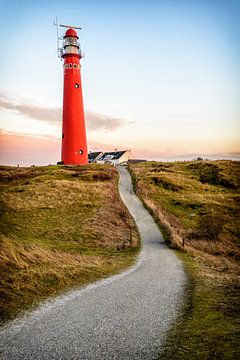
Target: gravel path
[{"x": 124, "y": 317}]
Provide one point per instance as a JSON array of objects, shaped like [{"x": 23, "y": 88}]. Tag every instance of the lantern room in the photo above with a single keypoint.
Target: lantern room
[{"x": 71, "y": 45}]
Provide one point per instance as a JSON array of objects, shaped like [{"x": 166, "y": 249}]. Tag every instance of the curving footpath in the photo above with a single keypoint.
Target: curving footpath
[{"x": 124, "y": 317}]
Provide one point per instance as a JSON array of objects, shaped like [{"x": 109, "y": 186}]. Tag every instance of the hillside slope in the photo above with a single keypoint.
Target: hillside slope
[
  {"x": 197, "y": 206},
  {"x": 60, "y": 227}
]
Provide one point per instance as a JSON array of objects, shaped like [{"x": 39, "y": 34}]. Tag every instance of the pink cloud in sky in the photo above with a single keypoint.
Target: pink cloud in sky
[{"x": 27, "y": 150}]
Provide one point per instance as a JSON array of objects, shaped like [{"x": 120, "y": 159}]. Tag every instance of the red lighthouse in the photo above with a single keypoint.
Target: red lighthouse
[{"x": 74, "y": 141}]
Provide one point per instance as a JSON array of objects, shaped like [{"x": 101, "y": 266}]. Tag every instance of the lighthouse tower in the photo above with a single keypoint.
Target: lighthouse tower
[{"x": 74, "y": 142}]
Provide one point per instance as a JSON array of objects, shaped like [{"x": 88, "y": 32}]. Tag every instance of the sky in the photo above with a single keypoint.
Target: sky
[{"x": 159, "y": 77}]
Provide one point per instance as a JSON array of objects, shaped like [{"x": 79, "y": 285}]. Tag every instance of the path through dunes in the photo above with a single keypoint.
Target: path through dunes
[{"x": 124, "y": 317}]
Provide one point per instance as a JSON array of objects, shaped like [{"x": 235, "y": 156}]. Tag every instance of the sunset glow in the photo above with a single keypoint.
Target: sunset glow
[{"x": 159, "y": 77}]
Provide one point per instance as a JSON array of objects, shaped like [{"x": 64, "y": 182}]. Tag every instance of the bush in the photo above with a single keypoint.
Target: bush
[
  {"x": 209, "y": 174},
  {"x": 167, "y": 185},
  {"x": 227, "y": 184},
  {"x": 210, "y": 227}
]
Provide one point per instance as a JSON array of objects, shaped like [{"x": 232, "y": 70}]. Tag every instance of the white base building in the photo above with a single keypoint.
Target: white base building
[{"x": 115, "y": 158}]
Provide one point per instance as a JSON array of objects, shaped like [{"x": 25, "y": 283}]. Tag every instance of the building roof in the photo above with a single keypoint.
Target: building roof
[
  {"x": 93, "y": 155},
  {"x": 114, "y": 155}
]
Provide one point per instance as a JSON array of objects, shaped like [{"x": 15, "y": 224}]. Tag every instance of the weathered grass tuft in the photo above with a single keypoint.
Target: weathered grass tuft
[{"x": 210, "y": 227}]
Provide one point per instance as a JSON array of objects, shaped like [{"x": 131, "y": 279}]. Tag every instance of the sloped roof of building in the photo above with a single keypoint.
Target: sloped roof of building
[
  {"x": 114, "y": 155},
  {"x": 93, "y": 155}
]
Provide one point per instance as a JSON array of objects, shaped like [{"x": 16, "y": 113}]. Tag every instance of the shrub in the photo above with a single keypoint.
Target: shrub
[
  {"x": 227, "y": 184},
  {"x": 209, "y": 174},
  {"x": 167, "y": 185},
  {"x": 210, "y": 227}
]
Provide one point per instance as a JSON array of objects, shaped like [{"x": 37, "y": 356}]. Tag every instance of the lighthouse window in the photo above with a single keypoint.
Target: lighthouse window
[
  {"x": 75, "y": 66},
  {"x": 66, "y": 66},
  {"x": 78, "y": 66},
  {"x": 76, "y": 85},
  {"x": 70, "y": 66}
]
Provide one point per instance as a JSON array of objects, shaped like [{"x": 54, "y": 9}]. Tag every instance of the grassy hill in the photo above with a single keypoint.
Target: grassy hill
[
  {"x": 60, "y": 227},
  {"x": 197, "y": 206}
]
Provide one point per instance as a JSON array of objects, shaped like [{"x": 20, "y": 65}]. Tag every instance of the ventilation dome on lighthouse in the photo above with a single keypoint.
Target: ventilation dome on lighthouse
[
  {"x": 74, "y": 141},
  {"x": 71, "y": 32}
]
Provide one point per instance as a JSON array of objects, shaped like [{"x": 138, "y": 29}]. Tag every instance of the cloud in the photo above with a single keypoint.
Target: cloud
[
  {"x": 26, "y": 150},
  {"x": 159, "y": 155},
  {"x": 6, "y": 104},
  {"x": 50, "y": 115},
  {"x": 17, "y": 148},
  {"x": 38, "y": 136},
  {"x": 94, "y": 121}
]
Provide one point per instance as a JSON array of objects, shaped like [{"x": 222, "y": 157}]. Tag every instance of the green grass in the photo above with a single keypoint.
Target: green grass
[
  {"x": 196, "y": 204},
  {"x": 60, "y": 227},
  {"x": 176, "y": 190},
  {"x": 209, "y": 326}
]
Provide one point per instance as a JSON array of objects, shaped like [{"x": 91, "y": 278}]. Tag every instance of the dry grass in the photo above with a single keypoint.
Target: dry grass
[
  {"x": 201, "y": 218},
  {"x": 209, "y": 326},
  {"x": 60, "y": 227},
  {"x": 197, "y": 206}
]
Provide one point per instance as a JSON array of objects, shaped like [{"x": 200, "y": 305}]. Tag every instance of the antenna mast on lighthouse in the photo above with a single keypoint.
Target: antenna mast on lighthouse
[{"x": 74, "y": 140}]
